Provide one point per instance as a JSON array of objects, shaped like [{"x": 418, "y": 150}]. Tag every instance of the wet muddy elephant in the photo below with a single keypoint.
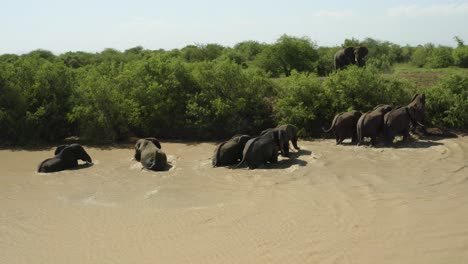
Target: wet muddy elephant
[
  {"x": 140, "y": 142},
  {"x": 370, "y": 124},
  {"x": 150, "y": 156},
  {"x": 66, "y": 157},
  {"x": 344, "y": 126},
  {"x": 229, "y": 152},
  {"x": 260, "y": 150},
  {"x": 404, "y": 119},
  {"x": 284, "y": 134}
]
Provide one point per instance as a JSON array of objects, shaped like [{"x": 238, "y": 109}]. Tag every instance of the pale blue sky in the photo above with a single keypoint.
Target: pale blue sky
[{"x": 93, "y": 25}]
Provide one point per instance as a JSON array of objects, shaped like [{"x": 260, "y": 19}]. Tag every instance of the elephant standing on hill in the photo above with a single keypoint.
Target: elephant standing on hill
[
  {"x": 66, "y": 157},
  {"x": 344, "y": 126},
  {"x": 350, "y": 55},
  {"x": 229, "y": 152},
  {"x": 284, "y": 133},
  {"x": 370, "y": 124},
  {"x": 404, "y": 119},
  {"x": 150, "y": 156}
]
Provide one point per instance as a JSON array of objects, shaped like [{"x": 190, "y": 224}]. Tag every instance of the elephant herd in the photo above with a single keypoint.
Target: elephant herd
[
  {"x": 147, "y": 151},
  {"x": 383, "y": 121},
  {"x": 240, "y": 149},
  {"x": 254, "y": 152}
]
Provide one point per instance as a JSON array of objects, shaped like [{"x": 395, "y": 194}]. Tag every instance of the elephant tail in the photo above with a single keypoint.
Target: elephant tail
[
  {"x": 216, "y": 157},
  {"x": 332, "y": 125},
  {"x": 247, "y": 149}
]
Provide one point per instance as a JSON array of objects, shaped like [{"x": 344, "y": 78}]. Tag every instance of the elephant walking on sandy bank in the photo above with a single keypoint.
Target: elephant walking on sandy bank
[
  {"x": 229, "y": 152},
  {"x": 344, "y": 126},
  {"x": 404, "y": 119},
  {"x": 370, "y": 124},
  {"x": 150, "y": 155},
  {"x": 66, "y": 157}
]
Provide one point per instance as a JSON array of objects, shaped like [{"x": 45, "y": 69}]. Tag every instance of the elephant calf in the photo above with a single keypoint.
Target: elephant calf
[
  {"x": 344, "y": 126},
  {"x": 284, "y": 134},
  {"x": 229, "y": 152},
  {"x": 150, "y": 156},
  {"x": 66, "y": 157},
  {"x": 260, "y": 150}
]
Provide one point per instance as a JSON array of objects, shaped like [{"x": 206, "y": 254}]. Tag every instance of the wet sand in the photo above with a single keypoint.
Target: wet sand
[{"x": 330, "y": 204}]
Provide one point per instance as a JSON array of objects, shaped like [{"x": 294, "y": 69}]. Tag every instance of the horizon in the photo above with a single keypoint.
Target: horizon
[{"x": 64, "y": 26}]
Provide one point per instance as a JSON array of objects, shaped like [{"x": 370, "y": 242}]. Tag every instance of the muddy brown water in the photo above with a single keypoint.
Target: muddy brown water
[{"x": 330, "y": 204}]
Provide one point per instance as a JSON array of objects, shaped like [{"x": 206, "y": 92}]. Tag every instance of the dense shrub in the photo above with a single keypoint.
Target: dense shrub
[
  {"x": 447, "y": 102},
  {"x": 460, "y": 56},
  {"x": 229, "y": 100},
  {"x": 441, "y": 57},
  {"x": 301, "y": 101},
  {"x": 362, "y": 89}
]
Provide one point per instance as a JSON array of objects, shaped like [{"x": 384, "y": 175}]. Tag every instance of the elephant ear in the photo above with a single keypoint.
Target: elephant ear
[
  {"x": 155, "y": 142},
  {"x": 59, "y": 149},
  {"x": 362, "y": 51}
]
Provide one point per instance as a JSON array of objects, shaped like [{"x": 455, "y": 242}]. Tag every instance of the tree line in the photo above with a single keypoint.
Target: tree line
[{"x": 211, "y": 91}]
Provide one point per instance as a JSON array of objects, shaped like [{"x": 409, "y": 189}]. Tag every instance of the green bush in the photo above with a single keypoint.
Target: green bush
[
  {"x": 229, "y": 100},
  {"x": 362, "y": 89},
  {"x": 441, "y": 57},
  {"x": 447, "y": 102},
  {"x": 301, "y": 101},
  {"x": 460, "y": 56}
]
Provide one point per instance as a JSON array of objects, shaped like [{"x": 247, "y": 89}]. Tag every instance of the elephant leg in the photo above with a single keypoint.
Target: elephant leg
[
  {"x": 337, "y": 139},
  {"x": 286, "y": 149},
  {"x": 373, "y": 140}
]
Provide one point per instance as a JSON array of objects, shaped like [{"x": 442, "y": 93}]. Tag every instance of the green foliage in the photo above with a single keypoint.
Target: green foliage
[
  {"x": 229, "y": 99},
  {"x": 362, "y": 89},
  {"x": 447, "y": 102},
  {"x": 460, "y": 56},
  {"x": 441, "y": 57},
  {"x": 287, "y": 54},
  {"x": 301, "y": 101},
  {"x": 421, "y": 54},
  {"x": 210, "y": 91}
]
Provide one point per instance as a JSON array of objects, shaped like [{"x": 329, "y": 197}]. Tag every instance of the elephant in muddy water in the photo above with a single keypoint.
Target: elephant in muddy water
[
  {"x": 262, "y": 149},
  {"x": 66, "y": 157},
  {"x": 284, "y": 134},
  {"x": 405, "y": 119},
  {"x": 229, "y": 152},
  {"x": 370, "y": 124},
  {"x": 350, "y": 55},
  {"x": 141, "y": 142},
  {"x": 344, "y": 126},
  {"x": 150, "y": 156}
]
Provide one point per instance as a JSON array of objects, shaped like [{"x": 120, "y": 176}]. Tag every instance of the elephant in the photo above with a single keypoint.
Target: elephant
[
  {"x": 66, "y": 157},
  {"x": 284, "y": 133},
  {"x": 405, "y": 119},
  {"x": 230, "y": 152},
  {"x": 350, "y": 55},
  {"x": 150, "y": 156},
  {"x": 370, "y": 124},
  {"x": 261, "y": 149},
  {"x": 344, "y": 126},
  {"x": 140, "y": 142}
]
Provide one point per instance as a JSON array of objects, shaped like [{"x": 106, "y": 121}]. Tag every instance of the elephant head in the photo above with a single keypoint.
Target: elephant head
[
  {"x": 417, "y": 108},
  {"x": 359, "y": 54},
  {"x": 76, "y": 151}
]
